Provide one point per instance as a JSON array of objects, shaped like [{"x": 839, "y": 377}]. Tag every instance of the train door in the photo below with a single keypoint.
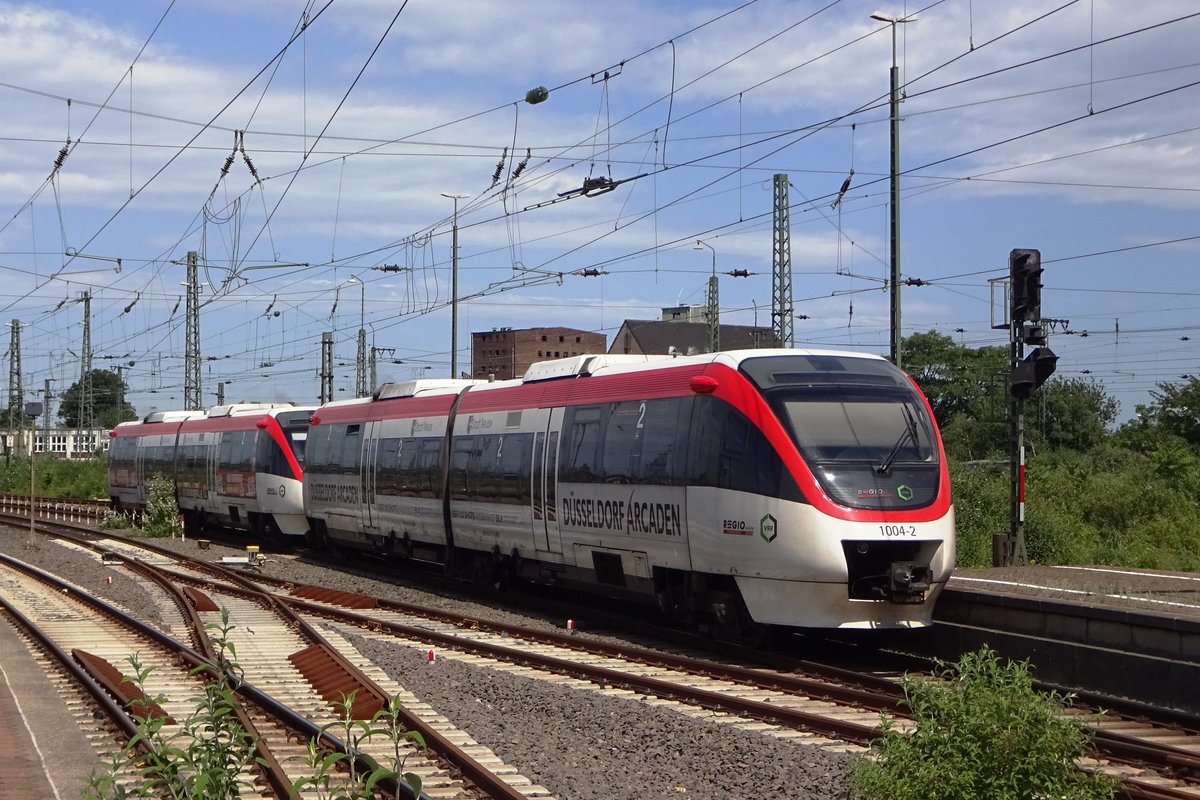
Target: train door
[
  {"x": 546, "y": 536},
  {"x": 209, "y": 492},
  {"x": 370, "y": 469},
  {"x": 141, "y": 493}
]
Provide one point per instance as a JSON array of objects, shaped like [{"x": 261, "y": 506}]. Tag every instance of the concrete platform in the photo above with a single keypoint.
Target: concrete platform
[{"x": 45, "y": 757}]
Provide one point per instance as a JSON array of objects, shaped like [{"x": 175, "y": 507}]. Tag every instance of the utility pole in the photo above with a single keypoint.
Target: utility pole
[
  {"x": 712, "y": 311},
  {"x": 454, "y": 284},
  {"x": 220, "y": 393},
  {"x": 86, "y": 405},
  {"x": 374, "y": 374},
  {"x": 894, "y": 204},
  {"x": 326, "y": 375},
  {"x": 781, "y": 266},
  {"x": 46, "y": 416},
  {"x": 360, "y": 364},
  {"x": 192, "y": 399}
]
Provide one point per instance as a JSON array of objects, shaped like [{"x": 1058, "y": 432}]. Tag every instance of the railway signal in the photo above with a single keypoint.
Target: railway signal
[{"x": 1026, "y": 374}]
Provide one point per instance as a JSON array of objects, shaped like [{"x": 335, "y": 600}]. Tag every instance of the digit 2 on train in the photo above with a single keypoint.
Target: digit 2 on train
[{"x": 778, "y": 487}]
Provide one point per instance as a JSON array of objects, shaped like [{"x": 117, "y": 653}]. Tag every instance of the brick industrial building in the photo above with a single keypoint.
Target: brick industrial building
[{"x": 506, "y": 353}]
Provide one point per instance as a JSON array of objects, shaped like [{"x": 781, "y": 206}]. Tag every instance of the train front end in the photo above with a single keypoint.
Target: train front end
[{"x": 861, "y": 531}]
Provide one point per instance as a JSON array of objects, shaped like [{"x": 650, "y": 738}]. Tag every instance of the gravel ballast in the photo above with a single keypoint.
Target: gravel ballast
[{"x": 578, "y": 743}]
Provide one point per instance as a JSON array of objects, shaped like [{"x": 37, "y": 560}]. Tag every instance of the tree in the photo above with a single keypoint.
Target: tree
[
  {"x": 1175, "y": 410},
  {"x": 956, "y": 379},
  {"x": 966, "y": 388},
  {"x": 108, "y": 401},
  {"x": 1070, "y": 413}
]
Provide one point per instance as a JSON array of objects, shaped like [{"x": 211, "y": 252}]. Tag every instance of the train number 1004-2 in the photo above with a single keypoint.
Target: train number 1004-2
[{"x": 898, "y": 530}]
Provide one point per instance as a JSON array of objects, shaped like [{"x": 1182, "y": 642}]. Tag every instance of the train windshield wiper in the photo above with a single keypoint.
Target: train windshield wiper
[{"x": 909, "y": 435}]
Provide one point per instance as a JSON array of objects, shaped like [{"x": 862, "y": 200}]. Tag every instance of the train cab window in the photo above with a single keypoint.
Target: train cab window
[{"x": 299, "y": 441}]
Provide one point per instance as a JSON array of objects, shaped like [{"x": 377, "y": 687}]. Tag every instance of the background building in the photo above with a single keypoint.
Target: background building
[
  {"x": 651, "y": 337},
  {"x": 506, "y": 353}
]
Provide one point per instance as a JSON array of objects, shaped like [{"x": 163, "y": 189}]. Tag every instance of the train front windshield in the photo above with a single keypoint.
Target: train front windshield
[{"x": 859, "y": 424}]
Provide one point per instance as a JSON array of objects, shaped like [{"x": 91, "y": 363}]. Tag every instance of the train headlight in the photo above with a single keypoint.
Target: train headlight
[{"x": 862, "y": 548}]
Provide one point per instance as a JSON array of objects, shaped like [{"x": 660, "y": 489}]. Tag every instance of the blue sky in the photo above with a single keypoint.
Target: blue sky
[{"x": 1071, "y": 127}]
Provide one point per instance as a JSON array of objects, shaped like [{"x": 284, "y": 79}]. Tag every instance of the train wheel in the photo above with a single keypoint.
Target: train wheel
[
  {"x": 316, "y": 535},
  {"x": 674, "y": 601}
]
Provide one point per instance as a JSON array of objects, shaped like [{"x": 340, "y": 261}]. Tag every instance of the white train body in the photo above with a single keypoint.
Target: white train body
[
  {"x": 781, "y": 487},
  {"x": 236, "y": 465}
]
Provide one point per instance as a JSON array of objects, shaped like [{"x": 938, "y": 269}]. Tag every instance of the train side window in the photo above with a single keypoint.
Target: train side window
[
  {"x": 727, "y": 451},
  {"x": 664, "y": 426},
  {"x": 623, "y": 441},
  {"x": 461, "y": 458},
  {"x": 351, "y": 450},
  {"x": 269, "y": 457},
  {"x": 225, "y": 454},
  {"x": 501, "y": 470},
  {"x": 429, "y": 466},
  {"x": 317, "y": 449},
  {"x": 387, "y": 466},
  {"x": 704, "y": 443},
  {"x": 583, "y": 428}
]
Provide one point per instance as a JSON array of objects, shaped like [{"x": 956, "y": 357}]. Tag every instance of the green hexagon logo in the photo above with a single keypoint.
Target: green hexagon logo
[
  {"x": 903, "y": 492},
  {"x": 768, "y": 528}
]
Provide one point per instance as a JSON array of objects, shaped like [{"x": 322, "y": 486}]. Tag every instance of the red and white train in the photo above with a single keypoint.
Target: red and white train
[
  {"x": 797, "y": 488},
  {"x": 236, "y": 465}
]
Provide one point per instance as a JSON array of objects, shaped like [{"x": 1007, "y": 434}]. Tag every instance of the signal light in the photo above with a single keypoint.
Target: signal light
[
  {"x": 1025, "y": 273},
  {"x": 1033, "y": 335},
  {"x": 1032, "y": 372}
]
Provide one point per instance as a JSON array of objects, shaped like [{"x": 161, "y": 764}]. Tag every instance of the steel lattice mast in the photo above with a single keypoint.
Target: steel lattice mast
[
  {"x": 781, "y": 266},
  {"x": 15, "y": 396},
  {"x": 191, "y": 354}
]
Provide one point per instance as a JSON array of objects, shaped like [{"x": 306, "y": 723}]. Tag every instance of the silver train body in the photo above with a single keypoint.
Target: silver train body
[
  {"x": 794, "y": 488},
  {"x": 235, "y": 465}
]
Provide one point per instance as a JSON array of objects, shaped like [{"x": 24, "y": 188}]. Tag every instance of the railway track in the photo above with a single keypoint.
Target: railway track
[
  {"x": 1154, "y": 760},
  {"x": 286, "y": 711}
]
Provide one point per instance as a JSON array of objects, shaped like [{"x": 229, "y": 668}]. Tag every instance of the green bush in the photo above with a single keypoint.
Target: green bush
[
  {"x": 162, "y": 518},
  {"x": 981, "y": 732},
  {"x": 55, "y": 477}
]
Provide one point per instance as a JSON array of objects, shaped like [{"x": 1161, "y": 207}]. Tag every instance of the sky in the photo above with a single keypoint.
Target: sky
[{"x": 305, "y": 151}]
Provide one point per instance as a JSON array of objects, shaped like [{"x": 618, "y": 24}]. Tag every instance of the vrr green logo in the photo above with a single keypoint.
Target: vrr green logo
[
  {"x": 768, "y": 528},
  {"x": 903, "y": 492}
]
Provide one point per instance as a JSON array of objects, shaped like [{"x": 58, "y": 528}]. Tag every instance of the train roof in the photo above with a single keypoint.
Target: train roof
[
  {"x": 582, "y": 366},
  {"x": 216, "y": 412},
  {"x": 242, "y": 409}
]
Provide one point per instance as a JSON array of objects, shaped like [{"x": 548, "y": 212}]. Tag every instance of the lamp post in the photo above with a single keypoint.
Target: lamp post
[
  {"x": 712, "y": 314},
  {"x": 894, "y": 224},
  {"x": 360, "y": 376},
  {"x": 454, "y": 284}
]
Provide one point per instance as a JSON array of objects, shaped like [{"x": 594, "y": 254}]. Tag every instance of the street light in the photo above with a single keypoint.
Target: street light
[
  {"x": 454, "y": 285},
  {"x": 360, "y": 375},
  {"x": 714, "y": 309},
  {"x": 895, "y": 175}
]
